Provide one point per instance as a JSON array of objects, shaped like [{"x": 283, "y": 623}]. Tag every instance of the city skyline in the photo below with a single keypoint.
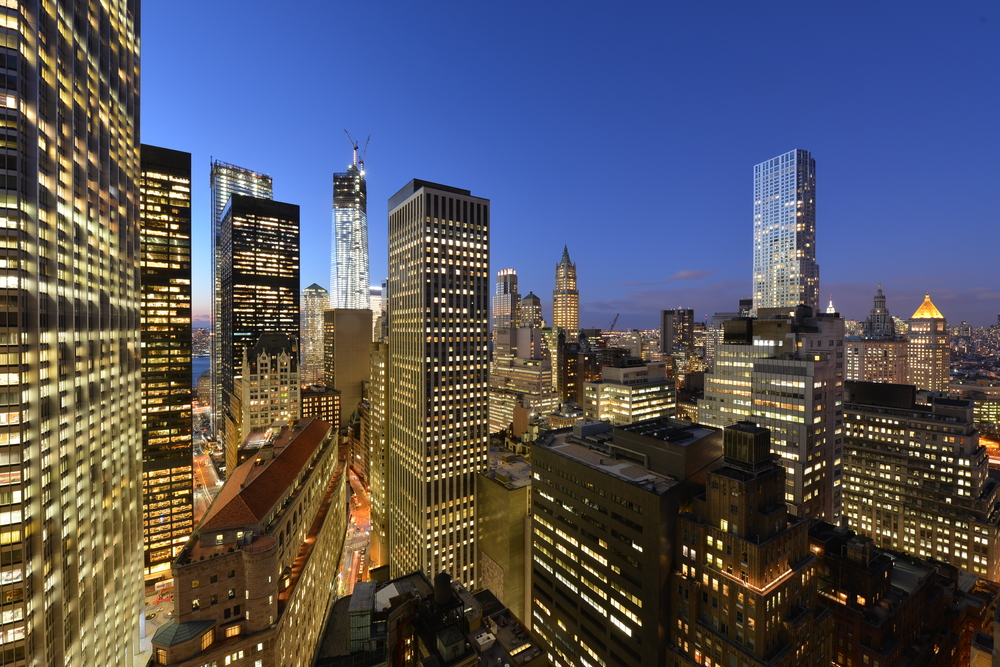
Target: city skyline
[{"x": 877, "y": 97}]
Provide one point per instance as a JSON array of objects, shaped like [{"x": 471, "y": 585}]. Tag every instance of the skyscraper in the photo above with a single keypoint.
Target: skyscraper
[
  {"x": 226, "y": 179},
  {"x": 676, "y": 330},
  {"x": 785, "y": 272},
  {"x": 70, "y": 437},
  {"x": 165, "y": 249},
  {"x": 565, "y": 297},
  {"x": 878, "y": 354},
  {"x": 349, "y": 281},
  {"x": 929, "y": 357},
  {"x": 530, "y": 312},
  {"x": 437, "y": 376},
  {"x": 315, "y": 300},
  {"x": 506, "y": 300},
  {"x": 259, "y": 287}
]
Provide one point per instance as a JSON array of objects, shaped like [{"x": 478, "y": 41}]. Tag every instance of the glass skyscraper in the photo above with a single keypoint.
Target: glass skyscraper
[
  {"x": 165, "y": 247},
  {"x": 785, "y": 272},
  {"x": 437, "y": 423},
  {"x": 506, "y": 300},
  {"x": 70, "y": 309},
  {"x": 314, "y": 301},
  {"x": 349, "y": 286},
  {"x": 227, "y": 179}
]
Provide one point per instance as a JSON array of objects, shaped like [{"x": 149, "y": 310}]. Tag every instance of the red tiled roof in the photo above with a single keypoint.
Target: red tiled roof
[{"x": 253, "y": 490}]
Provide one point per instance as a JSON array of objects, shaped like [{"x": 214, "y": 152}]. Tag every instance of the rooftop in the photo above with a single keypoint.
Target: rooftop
[
  {"x": 508, "y": 469},
  {"x": 927, "y": 310},
  {"x": 258, "y": 484}
]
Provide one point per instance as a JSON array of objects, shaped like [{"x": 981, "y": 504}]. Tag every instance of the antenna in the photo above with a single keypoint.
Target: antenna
[{"x": 354, "y": 145}]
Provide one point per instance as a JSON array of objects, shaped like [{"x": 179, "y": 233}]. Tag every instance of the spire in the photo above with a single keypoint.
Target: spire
[
  {"x": 565, "y": 256},
  {"x": 830, "y": 309}
]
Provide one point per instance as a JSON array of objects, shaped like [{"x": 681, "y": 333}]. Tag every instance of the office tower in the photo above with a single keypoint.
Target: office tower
[
  {"x": 373, "y": 436},
  {"x": 714, "y": 336},
  {"x": 349, "y": 280},
  {"x": 253, "y": 585},
  {"x": 506, "y": 300},
  {"x": 565, "y": 297},
  {"x": 71, "y": 542},
  {"x": 605, "y": 504},
  {"x": 786, "y": 373},
  {"x": 259, "y": 286},
  {"x": 323, "y": 403},
  {"x": 785, "y": 272},
  {"x": 314, "y": 300},
  {"x": 676, "y": 330},
  {"x": 630, "y": 391},
  {"x": 878, "y": 354},
  {"x": 503, "y": 527},
  {"x": 929, "y": 357},
  {"x": 347, "y": 339},
  {"x": 530, "y": 312},
  {"x": 520, "y": 379},
  {"x": 270, "y": 383},
  {"x": 745, "y": 591},
  {"x": 437, "y": 421},
  {"x": 376, "y": 305},
  {"x": 226, "y": 179},
  {"x": 917, "y": 478},
  {"x": 165, "y": 275},
  {"x": 746, "y": 307}
]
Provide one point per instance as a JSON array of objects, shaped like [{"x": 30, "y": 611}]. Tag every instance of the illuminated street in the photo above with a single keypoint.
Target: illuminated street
[{"x": 354, "y": 566}]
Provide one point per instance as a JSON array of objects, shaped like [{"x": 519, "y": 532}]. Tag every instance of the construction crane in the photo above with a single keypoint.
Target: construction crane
[
  {"x": 613, "y": 323},
  {"x": 358, "y": 162}
]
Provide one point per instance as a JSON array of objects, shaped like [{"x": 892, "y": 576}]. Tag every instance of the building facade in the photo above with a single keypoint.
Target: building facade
[
  {"x": 929, "y": 361},
  {"x": 373, "y": 432},
  {"x": 437, "y": 421},
  {"x": 605, "y": 503},
  {"x": 565, "y": 296},
  {"x": 165, "y": 249},
  {"x": 879, "y": 354},
  {"x": 323, "y": 403},
  {"x": 786, "y": 373},
  {"x": 785, "y": 272},
  {"x": 917, "y": 479},
  {"x": 630, "y": 391},
  {"x": 349, "y": 277},
  {"x": 347, "y": 337},
  {"x": 676, "y": 331},
  {"x": 259, "y": 285},
  {"x": 71, "y": 544},
  {"x": 314, "y": 301},
  {"x": 520, "y": 377},
  {"x": 745, "y": 591},
  {"x": 253, "y": 584},
  {"x": 270, "y": 384},
  {"x": 506, "y": 300},
  {"x": 530, "y": 312},
  {"x": 224, "y": 180}
]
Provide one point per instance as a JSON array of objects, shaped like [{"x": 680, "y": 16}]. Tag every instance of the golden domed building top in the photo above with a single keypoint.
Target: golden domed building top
[{"x": 927, "y": 311}]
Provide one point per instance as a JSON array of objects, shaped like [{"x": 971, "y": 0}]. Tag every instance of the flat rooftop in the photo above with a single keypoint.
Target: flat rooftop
[
  {"x": 628, "y": 471},
  {"x": 504, "y": 467}
]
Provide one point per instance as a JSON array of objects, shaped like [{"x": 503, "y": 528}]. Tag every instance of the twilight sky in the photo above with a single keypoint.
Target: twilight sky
[{"x": 628, "y": 131}]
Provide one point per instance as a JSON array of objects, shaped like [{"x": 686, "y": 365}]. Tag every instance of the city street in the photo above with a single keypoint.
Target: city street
[
  {"x": 206, "y": 485},
  {"x": 354, "y": 566}
]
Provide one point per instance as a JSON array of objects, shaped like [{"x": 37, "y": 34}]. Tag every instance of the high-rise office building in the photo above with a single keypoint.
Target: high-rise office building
[
  {"x": 745, "y": 589},
  {"x": 676, "y": 330},
  {"x": 785, "y": 272},
  {"x": 566, "y": 297},
  {"x": 349, "y": 279},
  {"x": 259, "y": 283},
  {"x": 630, "y": 391},
  {"x": 506, "y": 300},
  {"x": 226, "y": 179},
  {"x": 165, "y": 249},
  {"x": 786, "y": 373},
  {"x": 373, "y": 429},
  {"x": 929, "y": 356},
  {"x": 314, "y": 302},
  {"x": 437, "y": 423},
  {"x": 917, "y": 479},
  {"x": 347, "y": 338},
  {"x": 71, "y": 564},
  {"x": 530, "y": 312}
]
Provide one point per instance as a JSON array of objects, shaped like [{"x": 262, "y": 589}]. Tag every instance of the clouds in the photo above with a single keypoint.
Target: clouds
[{"x": 680, "y": 276}]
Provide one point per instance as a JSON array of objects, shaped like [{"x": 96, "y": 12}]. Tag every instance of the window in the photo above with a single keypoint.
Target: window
[
  {"x": 195, "y": 605},
  {"x": 232, "y": 593},
  {"x": 194, "y": 583},
  {"x": 214, "y": 579},
  {"x": 233, "y": 630},
  {"x": 207, "y": 639}
]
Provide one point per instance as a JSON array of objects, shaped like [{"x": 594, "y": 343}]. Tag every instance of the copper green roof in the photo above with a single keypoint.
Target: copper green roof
[{"x": 173, "y": 633}]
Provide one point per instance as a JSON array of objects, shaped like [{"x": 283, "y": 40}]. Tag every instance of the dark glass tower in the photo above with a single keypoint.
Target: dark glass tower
[
  {"x": 165, "y": 255},
  {"x": 259, "y": 287}
]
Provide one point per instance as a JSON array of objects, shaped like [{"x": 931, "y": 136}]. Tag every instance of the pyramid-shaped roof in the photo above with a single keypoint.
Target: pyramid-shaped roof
[{"x": 927, "y": 311}]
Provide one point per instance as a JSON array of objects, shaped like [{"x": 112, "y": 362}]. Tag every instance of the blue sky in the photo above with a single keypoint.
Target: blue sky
[{"x": 628, "y": 132}]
